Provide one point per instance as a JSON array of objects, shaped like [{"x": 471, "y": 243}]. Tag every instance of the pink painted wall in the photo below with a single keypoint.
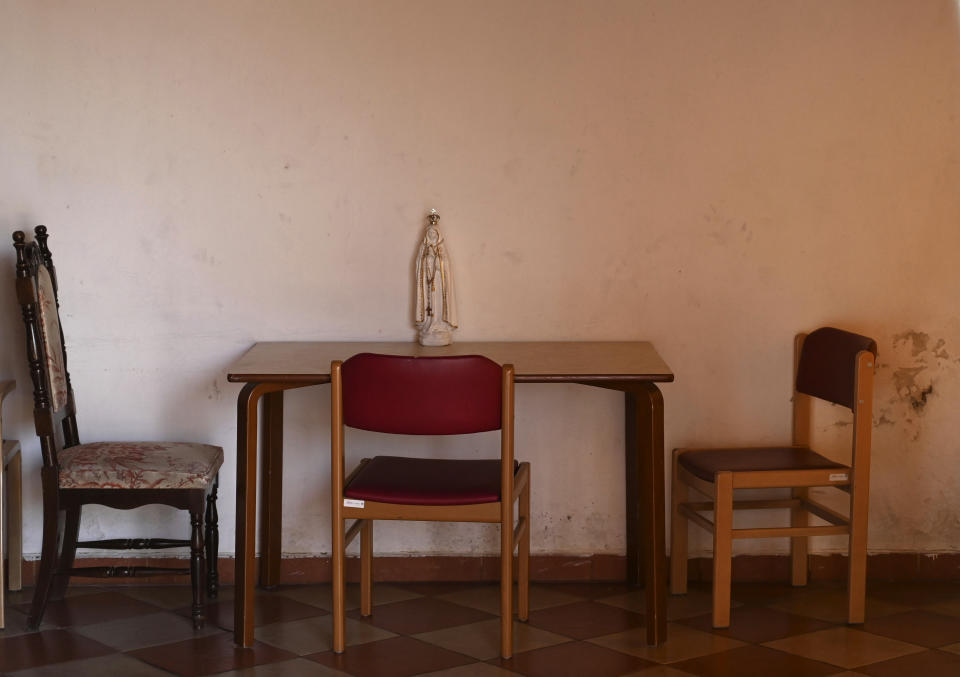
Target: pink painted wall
[{"x": 710, "y": 176}]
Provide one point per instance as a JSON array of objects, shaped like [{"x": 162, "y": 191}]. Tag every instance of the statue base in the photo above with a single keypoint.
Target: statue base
[{"x": 437, "y": 337}]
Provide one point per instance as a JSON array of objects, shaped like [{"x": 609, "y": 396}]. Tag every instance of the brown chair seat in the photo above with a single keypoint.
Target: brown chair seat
[
  {"x": 706, "y": 463},
  {"x": 426, "y": 481}
]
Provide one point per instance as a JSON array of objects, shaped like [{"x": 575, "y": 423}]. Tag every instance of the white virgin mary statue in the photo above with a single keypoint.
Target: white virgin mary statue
[{"x": 436, "y": 315}]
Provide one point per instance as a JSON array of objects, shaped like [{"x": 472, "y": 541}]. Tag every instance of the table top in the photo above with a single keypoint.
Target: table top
[{"x": 534, "y": 361}]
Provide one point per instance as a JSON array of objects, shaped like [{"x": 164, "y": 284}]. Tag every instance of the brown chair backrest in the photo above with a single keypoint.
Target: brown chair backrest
[
  {"x": 37, "y": 292},
  {"x": 828, "y": 364}
]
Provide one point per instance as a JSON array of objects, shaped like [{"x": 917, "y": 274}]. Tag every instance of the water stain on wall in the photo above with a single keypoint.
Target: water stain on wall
[{"x": 914, "y": 363}]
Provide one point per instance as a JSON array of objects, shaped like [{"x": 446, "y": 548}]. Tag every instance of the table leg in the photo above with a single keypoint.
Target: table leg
[
  {"x": 247, "y": 402},
  {"x": 271, "y": 488},
  {"x": 646, "y": 543}
]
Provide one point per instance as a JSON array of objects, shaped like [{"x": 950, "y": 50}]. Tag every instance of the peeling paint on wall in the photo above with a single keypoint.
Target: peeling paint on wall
[{"x": 916, "y": 361}]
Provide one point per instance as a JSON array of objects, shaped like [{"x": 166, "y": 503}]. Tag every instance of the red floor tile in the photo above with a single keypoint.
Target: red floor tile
[
  {"x": 44, "y": 648},
  {"x": 573, "y": 659},
  {"x": 917, "y": 627},
  {"x": 755, "y": 661},
  {"x": 583, "y": 620},
  {"x": 394, "y": 657},
  {"x": 96, "y": 608}
]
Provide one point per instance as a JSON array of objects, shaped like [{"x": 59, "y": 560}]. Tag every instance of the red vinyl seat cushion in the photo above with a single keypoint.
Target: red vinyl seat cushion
[
  {"x": 705, "y": 463},
  {"x": 426, "y": 481}
]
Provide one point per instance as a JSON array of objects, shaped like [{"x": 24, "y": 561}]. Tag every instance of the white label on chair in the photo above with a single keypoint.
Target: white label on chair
[
  {"x": 354, "y": 503},
  {"x": 834, "y": 477}
]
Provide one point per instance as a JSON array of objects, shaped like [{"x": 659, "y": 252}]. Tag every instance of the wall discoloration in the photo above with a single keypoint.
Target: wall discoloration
[
  {"x": 918, "y": 341},
  {"x": 911, "y": 369}
]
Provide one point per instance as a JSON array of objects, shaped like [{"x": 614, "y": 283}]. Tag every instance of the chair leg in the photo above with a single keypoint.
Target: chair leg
[
  {"x": 196, "y": 567},
  {"x": 799, "y": 545},
  {"x": 679, "y": 529},
  {"x": 213, "y": 541},
  {"x": 53, "y": 527},
  {"x": 68, "y": 552},
  {"x": 523, "y": 557},
  {"x": 857, "y": 576},
  {"x": 506, "y": 589},
  {"x": 339, "y": 587},
  {"x": 722, "y": 548},
  {"x": 366, "y": 568}
]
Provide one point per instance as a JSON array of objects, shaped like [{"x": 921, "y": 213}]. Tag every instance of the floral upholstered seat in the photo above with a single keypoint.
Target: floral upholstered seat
[{"x": 139, "y": 465}]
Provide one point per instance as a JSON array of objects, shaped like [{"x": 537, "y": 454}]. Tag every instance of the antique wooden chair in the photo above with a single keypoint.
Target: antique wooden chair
[
  {"x": 11, "y": 515},
  {"x": 427, "y": 396},
  {"x": 119, "y": 475},
  {"x": 832, "y": 365}
]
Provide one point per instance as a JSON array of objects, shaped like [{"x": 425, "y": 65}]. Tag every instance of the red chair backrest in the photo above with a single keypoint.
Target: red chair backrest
[
  {"x": 447, "y": 395},
  {"x": 828, "y": 364}
]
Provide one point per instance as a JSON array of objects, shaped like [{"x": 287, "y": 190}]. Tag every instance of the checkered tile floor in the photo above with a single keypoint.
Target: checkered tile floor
[{"x": 451, "y": 630}]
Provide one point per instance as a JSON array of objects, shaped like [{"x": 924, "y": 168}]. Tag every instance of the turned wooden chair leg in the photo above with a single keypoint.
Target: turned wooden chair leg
[
  {"x": 213, "y": 541},
  {"x": 722, "y": 548},
  {"x": 196, "y": 567}
]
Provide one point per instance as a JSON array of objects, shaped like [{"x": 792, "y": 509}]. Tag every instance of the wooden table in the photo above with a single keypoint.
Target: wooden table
[{"x": 632, "y": 367}]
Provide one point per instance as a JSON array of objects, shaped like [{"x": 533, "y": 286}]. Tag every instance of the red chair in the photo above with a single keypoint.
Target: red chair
[{"x": 427, "y": 396}]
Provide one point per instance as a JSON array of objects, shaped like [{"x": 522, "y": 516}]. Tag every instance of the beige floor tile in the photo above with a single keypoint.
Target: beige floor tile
[
  {"x": 682, "y": 644},
  {"x": 845, "y": 647},
  {"x": 310, "y": 635},
  {"x": 137, "y": 632},
  {"x": 321, "y": 595},
  {"x": 831, "y": 605},
  {"x": 482, "y": 640},
  {"x": 171, "y": 596},
  {"x": 487, "y": 598},
  {"x": 475, "y": 670},
  {"x": 299, "y": 667}
]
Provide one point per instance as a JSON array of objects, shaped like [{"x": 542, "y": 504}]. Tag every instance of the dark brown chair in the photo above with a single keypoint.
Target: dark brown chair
[
  {"x": 427, "y": 396},
  {"x": 832, "y": 365},
  {"x": 119, "y": 475}
]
